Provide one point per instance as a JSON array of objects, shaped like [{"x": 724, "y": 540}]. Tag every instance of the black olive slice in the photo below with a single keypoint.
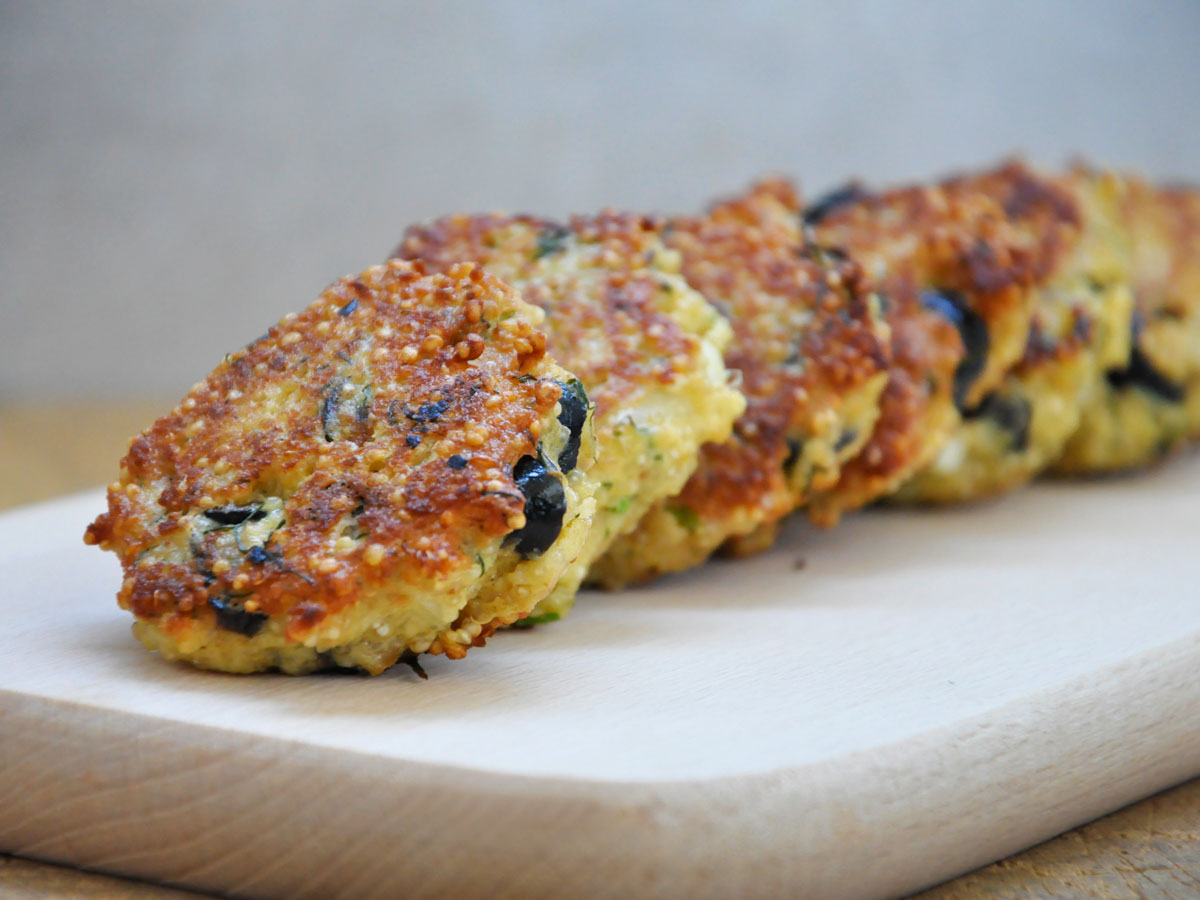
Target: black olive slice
[
  {"x": 1140, "y": 373},
  {"x": 427, "y": 412},
  {"x": 233, "y": 617},
  {"x": 845, "y": 439},
  {"x": 545, "y": 507},
  {"x": 793, "y": 455},
  {"x": 234, "y": 515},
  {"x": 258, "y": 555},
  {"x": 973, "y": 331},
  {"x": 1013, "y": 414},
  {"x": 573, "y": 416},
  {"x": 822, "y": 207}
]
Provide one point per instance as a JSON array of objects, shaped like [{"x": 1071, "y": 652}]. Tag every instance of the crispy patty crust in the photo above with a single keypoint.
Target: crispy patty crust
[{"x": 384, "y": 473}]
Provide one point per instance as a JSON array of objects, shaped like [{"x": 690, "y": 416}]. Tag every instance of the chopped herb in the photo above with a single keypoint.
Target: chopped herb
[
  {"x": 412, "y": 440},
  {"x": 621, "y": 506},
  {"x": 457, "y": 462},
  {"x": 349, "y": 307},
  {"x": 552, "y": 239},
  {"x": 363, "y": 409},
  {"x": 685, "y": 516},
  {"x": 543, "y": 619}
]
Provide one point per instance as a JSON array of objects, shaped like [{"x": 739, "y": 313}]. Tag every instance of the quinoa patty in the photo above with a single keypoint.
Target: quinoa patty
[
  {"x": 1148, "y": 403},
  {"x": 812, "y": 349},
  {"x": 1080, "y": 328},
  {"x": 967, "y": 251},
  {"x": 391, "y": 471},
  {"x": 646, "y": 346}
]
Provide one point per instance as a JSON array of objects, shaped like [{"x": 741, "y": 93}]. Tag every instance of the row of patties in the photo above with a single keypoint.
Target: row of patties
[{"x": 512, "y": 407}]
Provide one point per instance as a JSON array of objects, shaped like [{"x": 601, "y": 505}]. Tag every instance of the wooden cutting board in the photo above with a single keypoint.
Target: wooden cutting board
[{"x": 927, "y": 692}]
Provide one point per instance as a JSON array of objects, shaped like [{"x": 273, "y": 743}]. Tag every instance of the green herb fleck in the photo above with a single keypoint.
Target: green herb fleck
[
  {"x": 530, "y": 621},
  {"x": 552, "y": 239},
  {"x": 685, "y": 516}
]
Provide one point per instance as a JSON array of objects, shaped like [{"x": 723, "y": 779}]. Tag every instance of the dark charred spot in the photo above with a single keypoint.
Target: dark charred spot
[
  {"x": 349, "y": 307},
  {"x": 843, "y": 196},
  {"x": 232, "y": 616},
  {"x": 409, "y": 659},
  {"x": 552, "y": 239},
  {"x": 412, "y": 440},
  {"x": 457, "y": 462},
  {"x": 427, "y": 412},
  {"x": 1030, "y": 194},
  {"x": 973, "y": 331},
  {"x": 234, "y": 515},
  {"x": 545, "y": 507},
  {"x": 1013, "y": 414},
  {"x": 573, "y": 416},
  {"x": 1140, "y": 373}
]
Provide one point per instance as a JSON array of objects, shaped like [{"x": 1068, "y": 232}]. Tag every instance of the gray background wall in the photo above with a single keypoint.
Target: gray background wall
[{"x": 173, "y": 177}]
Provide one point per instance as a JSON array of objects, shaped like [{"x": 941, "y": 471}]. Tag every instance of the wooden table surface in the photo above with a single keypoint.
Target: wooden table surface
[{"x": 1148, "y": 850}]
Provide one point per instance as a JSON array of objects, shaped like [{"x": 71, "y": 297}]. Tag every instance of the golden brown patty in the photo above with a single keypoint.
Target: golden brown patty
[
  {"x": 1149, "y": 402},
  {"x": 645, "y": 345},
  {"x": 1080, "y": 327},
  {"x": 969, "y": 251},
  {"x": 379, "y": 474},
  {"x": 811, "y": 347}
]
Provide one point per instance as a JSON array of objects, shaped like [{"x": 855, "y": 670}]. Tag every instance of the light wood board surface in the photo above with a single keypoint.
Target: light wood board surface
[{"x": 1086, "y": 707}]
